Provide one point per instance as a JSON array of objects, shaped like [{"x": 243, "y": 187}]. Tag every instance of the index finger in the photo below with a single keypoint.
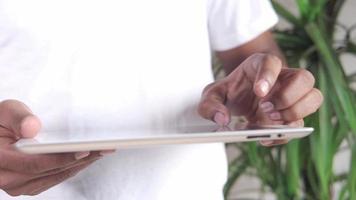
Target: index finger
[{"x": 264, "y": 70}]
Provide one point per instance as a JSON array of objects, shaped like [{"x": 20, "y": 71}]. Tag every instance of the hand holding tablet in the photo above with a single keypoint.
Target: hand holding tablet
[
  {"x": 24, "y": 174},
  {"x": 262, "y": 89}
]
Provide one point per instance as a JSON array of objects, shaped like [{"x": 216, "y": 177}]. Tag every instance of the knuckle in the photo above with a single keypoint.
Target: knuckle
[
  {"x": 257, "y": 56},
  {"x": 283, "y": 100},
  {"x": 318, "y": 99},
  {"x": 9, "y": 102},
  {"x": 213, "y": 95},
  {"x": 301, "y": 123},
  {"x": 214, "y": 90},
  {"x": 270, "y": 59},
  {"x": 215, "y": 87},
  {"x": 6, "y": 102},
  {"x": 306, "y": 77},
  {"x": 293, "y": 115},
  {"x": 203, "y": 106},
  {"x": 209, "y": 91},
  {"x": 298, "y": 123},
  {"x": 210, "y": 85},
  {"x": 319, "y": 96}
]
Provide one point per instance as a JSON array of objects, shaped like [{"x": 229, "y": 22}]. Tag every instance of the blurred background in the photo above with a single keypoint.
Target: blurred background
[{"x": 318, "y": 35}]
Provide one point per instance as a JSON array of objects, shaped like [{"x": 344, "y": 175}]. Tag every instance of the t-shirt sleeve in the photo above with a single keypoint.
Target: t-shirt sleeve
[{"x": 232, "y": 23}]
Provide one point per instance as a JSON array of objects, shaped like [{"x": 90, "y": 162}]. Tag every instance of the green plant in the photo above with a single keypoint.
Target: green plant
[{"x": 303, "y": 169}]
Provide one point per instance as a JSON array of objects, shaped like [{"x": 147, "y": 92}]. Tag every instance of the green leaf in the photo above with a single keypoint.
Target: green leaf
[
  {"x": 343, "y": 192},
  {"x": 341, "y": 126},
  {"x": 236, "y": 168},
  {"x": 322, "y": 142},
  {"x": 293, "y": 167},
  {"x": 291, "y": 39},
  {"x": 316, "y": 10},
  {"x": 335, "y": 70},
  {"x": 257, "y": 159},
  {"x": 287, "y": 15},
  {"x": 304, "y": 8}
]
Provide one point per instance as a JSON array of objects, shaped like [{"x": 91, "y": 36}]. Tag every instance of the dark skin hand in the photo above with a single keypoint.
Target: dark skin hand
[
  {"x": 22, "y": 174},
  {"x": 260, "y": 87}
]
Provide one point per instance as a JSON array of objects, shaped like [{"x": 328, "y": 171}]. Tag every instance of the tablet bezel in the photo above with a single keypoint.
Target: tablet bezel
[{"x": 33, "y": 146}]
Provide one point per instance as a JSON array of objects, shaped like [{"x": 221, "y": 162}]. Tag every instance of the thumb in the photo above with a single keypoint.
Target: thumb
[
  {"x": 268, "y": 69},
  {"x": 18, "y": 118},
  {"x": 212, "y": 105}
]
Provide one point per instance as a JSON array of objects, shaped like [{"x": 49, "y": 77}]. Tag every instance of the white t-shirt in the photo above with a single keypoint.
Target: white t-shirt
[{"x": 108, "y": 64}]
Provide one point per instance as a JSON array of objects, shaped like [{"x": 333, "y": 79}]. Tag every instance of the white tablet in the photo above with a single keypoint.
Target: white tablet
[{"x": 60, "y": 142}]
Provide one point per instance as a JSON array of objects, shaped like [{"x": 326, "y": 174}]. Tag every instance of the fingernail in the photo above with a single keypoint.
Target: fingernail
[
  {"x": 219, "y": 118},
  {"x": 267, "y": 106},
  {"x": 81, "y": 155},
  {"x": 107, "y": 152},
  {"x": 267, "y": 142},
  {"x": 275, "y": 116},
  {"x": 264, "y": 86}
]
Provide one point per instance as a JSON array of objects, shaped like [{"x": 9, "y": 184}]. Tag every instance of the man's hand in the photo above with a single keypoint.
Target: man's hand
[
  {"x": 22, "y": 174},
  {"x": 264, "y": 92}
]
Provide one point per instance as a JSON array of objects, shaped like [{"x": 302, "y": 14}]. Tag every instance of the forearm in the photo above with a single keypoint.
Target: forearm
[{"x": 265, "y": 43}]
